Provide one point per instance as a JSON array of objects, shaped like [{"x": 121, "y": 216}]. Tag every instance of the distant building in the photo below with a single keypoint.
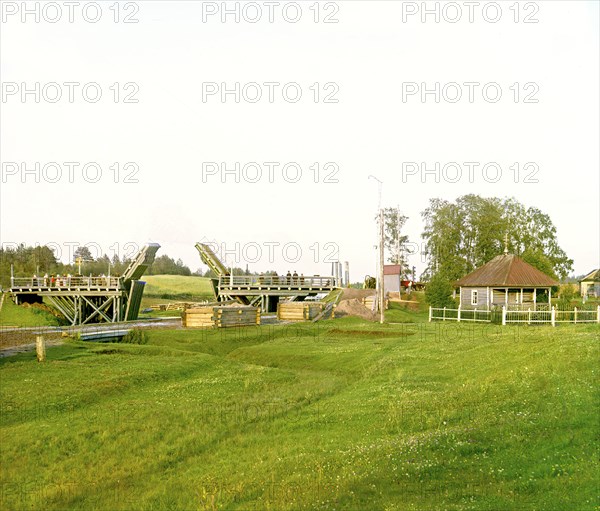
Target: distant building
[
  {"x": 590, "y": 284},
  {"x": 505, "y": 280},
  {"x": 392, "y": 278}
]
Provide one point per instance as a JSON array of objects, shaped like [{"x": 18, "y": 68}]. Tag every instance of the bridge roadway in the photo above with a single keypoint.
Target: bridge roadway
[
  {"x": 275, "y": 285},
  {"x": 269, "y": 289},
  {"x": 47, "y": 286}
]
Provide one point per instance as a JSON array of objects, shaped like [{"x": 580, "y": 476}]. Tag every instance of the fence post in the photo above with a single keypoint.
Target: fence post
[
  {"x": 40, "y": 348},
  {"x": 458, "y": 317},
  {"x": 430, "y": 313},
  {"x": 444, "y": 315},
  {"x": 529, "y": 316},
  {"x": 598, "y": 314},
  {"x": 553, "y": 316},
  {"x": 575, "y": 315},
  {"x": 503, "y": 315}
]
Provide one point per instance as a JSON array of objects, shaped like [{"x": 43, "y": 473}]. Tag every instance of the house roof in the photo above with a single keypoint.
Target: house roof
[
  {"x": 593, "y": 276},
  {"x": 507, "y": 270},
  {"x": 392, "y": 269}
]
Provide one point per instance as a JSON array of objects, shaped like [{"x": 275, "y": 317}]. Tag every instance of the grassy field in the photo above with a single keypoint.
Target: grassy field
[
  {"x": 176, "y": 288},
  {"x": 336, "y": 415},
  {"x": 19, "y": 316}
]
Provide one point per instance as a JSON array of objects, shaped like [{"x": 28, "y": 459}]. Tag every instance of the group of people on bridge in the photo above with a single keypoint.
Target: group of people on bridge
[
  {"x": 288, "y": 279},
  {"x": 68, "y": 280}
]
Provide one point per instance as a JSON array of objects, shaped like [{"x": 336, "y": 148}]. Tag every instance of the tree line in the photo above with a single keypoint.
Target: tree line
[
  {"x": 40, "y": 260},
  {"x": 461, "y": 235}
]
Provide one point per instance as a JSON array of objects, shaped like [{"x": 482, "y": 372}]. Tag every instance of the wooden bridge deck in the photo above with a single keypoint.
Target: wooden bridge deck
[
  {"x": 275, "y": 285},
  {"x": 66, "y": 285}
]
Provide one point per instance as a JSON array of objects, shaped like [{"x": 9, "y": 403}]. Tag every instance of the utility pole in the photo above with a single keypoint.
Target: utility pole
[
  {"x": 380, "y": 286},
  {"x": 398, "y": 258},
  {"x": 381, "y": 265}
]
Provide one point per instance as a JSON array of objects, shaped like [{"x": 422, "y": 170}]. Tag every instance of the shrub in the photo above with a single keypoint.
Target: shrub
[
  {"x": 438, "y": 292},
  {"x": 135, "y": 336}
]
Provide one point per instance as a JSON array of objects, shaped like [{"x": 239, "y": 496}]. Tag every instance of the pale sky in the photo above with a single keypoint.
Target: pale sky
[{"x": 367, "y": 59}]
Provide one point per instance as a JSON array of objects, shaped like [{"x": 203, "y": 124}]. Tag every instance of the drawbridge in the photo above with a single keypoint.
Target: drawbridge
[
  {"x": 83, "y": 300},
  {"x": 263, "y": 290}
]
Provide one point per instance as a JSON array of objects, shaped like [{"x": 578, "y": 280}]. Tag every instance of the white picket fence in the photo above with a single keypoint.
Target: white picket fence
[
  {"x": 510, "y": 315},
  {"x": 445, "y": 314},
  {"x": 551, "y": 316}
]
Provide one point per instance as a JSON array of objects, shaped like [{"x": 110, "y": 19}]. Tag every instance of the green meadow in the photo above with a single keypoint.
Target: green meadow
[
  {"x": 341, "y": 414},
  {"x": 165, "y": 288},
  {"x": 12, "y": 315}
]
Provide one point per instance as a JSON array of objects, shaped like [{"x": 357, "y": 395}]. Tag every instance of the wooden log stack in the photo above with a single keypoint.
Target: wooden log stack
[
  {"x": 221, "y": 317},
  {"x": 299, "y": 311},
  {"x": 368, "y": 302},
  {"x": 177, "y": 306}
]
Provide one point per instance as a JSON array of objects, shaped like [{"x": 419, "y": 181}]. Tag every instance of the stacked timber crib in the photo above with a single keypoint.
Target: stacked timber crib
[
  {"x": 221, "y": 317},
  {"x": 368, "y": 302},
  {"x": 299, "y": 311}
]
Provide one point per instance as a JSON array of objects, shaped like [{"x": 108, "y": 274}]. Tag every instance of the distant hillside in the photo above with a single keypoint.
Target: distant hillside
[{"x": 178, "y": 287}]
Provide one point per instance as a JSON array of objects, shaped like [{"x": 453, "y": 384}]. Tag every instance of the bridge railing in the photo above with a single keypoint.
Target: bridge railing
[
  {"x": 315, "y": 281},
  {"x": 64, "y": 282}
]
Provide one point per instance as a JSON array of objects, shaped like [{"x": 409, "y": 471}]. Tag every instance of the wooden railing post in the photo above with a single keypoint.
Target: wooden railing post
[
  {"x": 504, "y": 315},
  {"x": 40, "y": 348},
  {"x": 553, "y": 316},
  {"x": 431, "y": 312},
  {"x": 458, "y": 317},
  {"x": 575, "y": 316},
  {"x": 444, "y": 315},
  {"x": 529, "y": 316}
]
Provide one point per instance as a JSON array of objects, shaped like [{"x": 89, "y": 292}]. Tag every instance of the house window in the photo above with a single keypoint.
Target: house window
[{"x": 474, "y": 297}]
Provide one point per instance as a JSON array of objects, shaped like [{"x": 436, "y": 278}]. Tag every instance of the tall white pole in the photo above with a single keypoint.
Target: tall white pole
[
  {"x": 381, "y": 265},
  {"x": 399, "y": 259},
  {"x": 380, "y": 287}
]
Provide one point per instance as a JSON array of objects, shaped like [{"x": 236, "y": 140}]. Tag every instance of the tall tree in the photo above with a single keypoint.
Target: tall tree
[
  {"x": 462, "y": 235},
  {"x": 394, "y": 240}
]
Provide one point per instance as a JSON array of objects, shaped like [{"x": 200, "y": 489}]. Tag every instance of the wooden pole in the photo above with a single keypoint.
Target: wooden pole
[
  {"x": 381, "y": 265},
  {"x": 40, "y": 348}
]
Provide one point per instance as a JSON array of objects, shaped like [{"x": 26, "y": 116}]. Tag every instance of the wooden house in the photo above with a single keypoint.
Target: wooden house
[
  {"x": 505, "y": 280},
  {"x": 590, "y": 284}
]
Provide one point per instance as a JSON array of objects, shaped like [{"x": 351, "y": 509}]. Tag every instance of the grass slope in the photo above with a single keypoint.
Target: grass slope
[
  {"x": 22, "y": 316},
  {"x": 336, "y": 415},
  {"x": 177, "y": 287}
]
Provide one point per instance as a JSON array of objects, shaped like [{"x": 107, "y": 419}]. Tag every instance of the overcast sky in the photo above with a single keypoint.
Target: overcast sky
[{"x": 365, "y": 116}]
